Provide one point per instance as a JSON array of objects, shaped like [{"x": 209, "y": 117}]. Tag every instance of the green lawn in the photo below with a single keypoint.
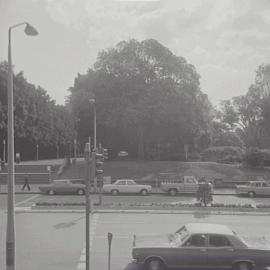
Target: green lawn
[{"x": 150, "y": 170}]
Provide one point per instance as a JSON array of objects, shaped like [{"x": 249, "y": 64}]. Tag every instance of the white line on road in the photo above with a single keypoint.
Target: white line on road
[{"x": 29, "y": 199}]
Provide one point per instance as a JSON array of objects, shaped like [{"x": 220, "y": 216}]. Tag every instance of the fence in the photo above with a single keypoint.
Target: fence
[{"x": 33, "y": 178}]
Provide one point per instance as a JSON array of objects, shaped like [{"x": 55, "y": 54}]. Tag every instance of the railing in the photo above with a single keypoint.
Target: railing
[{"x": 33, "y": 178}]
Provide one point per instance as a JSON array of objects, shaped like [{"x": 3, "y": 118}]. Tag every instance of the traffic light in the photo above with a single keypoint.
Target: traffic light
[
  {"x": 99, "y": 164},
  {"x": 105, "y": 154}
]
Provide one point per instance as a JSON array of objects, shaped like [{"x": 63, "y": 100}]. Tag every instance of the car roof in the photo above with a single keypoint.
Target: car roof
[{"x": 208, "y": 228}]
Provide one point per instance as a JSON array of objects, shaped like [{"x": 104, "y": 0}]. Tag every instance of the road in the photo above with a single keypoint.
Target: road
[{"x": 56, "y": 240}]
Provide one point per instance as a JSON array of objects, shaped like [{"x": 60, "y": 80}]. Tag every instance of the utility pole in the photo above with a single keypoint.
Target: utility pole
[
  {"x": 4, "y": 151},
  {"x": 88, "y": 166}
]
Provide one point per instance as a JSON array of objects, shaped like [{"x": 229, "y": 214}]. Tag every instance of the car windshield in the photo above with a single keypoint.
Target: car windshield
[{"x": 182, "y": 234}]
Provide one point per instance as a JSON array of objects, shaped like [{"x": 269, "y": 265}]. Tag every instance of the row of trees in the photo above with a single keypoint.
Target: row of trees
[
  {"x": 39, "y": 122},
  {"x": 247, "y": 117},
  {"x": 148, "y": 102}
]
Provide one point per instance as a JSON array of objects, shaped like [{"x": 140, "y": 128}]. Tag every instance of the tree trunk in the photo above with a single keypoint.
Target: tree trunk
[{"x": 140, "y": 144}]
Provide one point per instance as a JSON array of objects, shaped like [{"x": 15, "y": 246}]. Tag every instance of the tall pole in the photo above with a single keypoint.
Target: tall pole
[
  {"x": 95, "y": 127},
  {"x": 10, "y": 237},
  {"x": 87, "y": 204},
  {"x": 10, "y": 234},
  {"x": 4, "y": 151},
  {"x": 37, "y": 151}
]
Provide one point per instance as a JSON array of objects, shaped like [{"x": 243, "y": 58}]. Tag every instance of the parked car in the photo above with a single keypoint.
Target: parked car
[
  {"x": 126, "y": 186},
  {"x": 254, "y": 188},
  {"x": 202, "y": 246},
  {"x": 188, "y": 184},
  {"x": 63, "y": 186}
]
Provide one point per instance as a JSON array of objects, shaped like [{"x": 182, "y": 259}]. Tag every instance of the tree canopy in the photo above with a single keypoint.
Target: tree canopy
[
  {"x": 37, "y": 119},
  {"x": 145, "y": 96}
]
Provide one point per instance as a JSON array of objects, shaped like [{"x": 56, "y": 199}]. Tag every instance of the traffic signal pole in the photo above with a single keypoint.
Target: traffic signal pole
[{"x": 88, "y": 159}]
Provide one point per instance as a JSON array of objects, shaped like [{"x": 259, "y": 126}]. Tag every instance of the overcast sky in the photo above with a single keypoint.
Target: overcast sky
[{"x": 226, "y": 40}]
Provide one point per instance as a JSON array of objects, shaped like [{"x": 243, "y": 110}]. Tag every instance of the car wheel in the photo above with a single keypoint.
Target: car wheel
[
  {"x": 144, "y": 192},
  {"x": 251, "y": 194},
  {"x": 51, "y": 192},
  {"x": 243, "y": 266},
  {"x": 80, "y": 191},
  {"x": 172, "y": 192},
  {"x": 155, "y": 264},
  {"x": 115, "y": 192}
]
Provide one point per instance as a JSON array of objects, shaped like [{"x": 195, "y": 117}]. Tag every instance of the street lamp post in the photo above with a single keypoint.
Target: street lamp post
[
  {"x": 10, "y": 235},
  {"x": 93, "y": 102},
  {"x": 4, "y": 151}
]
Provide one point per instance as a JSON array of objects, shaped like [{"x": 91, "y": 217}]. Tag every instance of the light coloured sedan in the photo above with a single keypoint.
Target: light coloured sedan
[
  {"x": 202, "y": 246},
  {"x": 126, "y": 186},
  {"x": 63, "y": 186},
  {"x": 254, "y": 188}
]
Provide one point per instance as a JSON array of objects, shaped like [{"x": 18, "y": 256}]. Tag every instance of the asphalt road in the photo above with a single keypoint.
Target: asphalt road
[{"x": 56, "y": 240}]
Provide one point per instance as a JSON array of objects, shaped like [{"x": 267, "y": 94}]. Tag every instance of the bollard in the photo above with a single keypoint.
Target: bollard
[{"x": 110, "y": 236}]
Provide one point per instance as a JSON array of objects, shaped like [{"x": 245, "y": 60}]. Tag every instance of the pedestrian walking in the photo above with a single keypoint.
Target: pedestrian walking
[{"x": 26, "y": 183}]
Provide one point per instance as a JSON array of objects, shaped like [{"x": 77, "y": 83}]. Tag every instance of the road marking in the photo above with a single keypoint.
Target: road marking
[
  {"x": 93, "y": 225},
  {"x": 29, "y": 199}
]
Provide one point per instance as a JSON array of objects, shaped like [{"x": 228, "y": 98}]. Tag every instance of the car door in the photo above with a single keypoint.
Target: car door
[
  {"x": 131, "y": 186},
  {"x": 190, "y": 185},
  {"x": 220, "y": 252},
  {"x": 191, "y": 254},
  {"x": 121, "y": 186},
  {"x": 265, "y": 189}
]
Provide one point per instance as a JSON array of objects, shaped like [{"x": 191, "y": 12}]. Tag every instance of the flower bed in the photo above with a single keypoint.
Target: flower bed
[{"x": 156, "y": 206}]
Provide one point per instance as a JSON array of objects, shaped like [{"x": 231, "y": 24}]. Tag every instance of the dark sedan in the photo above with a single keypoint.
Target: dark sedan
[
  {"x": 202, "y": 246},
  {"x": 63, "y": 186}
]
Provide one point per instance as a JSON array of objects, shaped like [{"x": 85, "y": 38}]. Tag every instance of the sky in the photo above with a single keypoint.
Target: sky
[{"x": 226, "y": 40}]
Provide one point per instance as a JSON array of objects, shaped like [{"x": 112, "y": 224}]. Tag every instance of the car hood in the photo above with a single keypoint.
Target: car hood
[{"x": 157, "y": 241}]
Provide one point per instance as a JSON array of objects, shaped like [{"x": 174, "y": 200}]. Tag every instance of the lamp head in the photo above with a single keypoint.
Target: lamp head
[
  {"x": 30, "y": 30},
  {"x": 92, "y": 101}
]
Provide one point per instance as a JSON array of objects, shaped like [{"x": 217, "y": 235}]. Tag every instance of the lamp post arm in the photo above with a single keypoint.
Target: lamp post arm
[{"x": 16, "y": 25}]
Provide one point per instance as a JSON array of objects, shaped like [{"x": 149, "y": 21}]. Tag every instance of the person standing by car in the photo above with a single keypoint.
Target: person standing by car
[{"x": 26, "y": 183}]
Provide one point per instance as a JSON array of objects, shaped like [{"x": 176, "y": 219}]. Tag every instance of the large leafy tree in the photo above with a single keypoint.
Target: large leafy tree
[
  {"x": 249, "y": 114},
  {"x": 145, "y": 95},
  {"x": 38, "y": 120}
]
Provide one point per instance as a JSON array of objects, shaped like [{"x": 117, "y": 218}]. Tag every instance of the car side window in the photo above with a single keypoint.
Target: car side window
[
  {"x": 130, "y": 183},
  {"x": 196, "y": 240},
  {"x": 218, "y": 241},
  {"x": 121, "y": 182},
  {"x": 264, "y": 185}
]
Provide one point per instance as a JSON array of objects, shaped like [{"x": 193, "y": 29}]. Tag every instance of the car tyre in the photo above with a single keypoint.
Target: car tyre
[
  {"x": 51, "y": 192},
  {"x": 155, "y": 264},
  {"x": 172, "y": 192},
  {"x": 114, "y": 192},
  {"x": 243, "y": 266},
  {"x": 144, "y": 192},
  {"x": 80, "y": 191},
  {"x": 251, "y": 194}
]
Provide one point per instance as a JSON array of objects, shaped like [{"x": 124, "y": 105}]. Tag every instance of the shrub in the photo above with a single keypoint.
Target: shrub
[
  {"x": 224, "y": 154},
  {"x": 254, "y": 157}
]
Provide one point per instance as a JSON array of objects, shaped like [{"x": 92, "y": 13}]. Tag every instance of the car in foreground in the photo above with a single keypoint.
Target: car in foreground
[
  {"x": 63, "y": 186},
  {"x": 202, "y": 246},
  {"x": 121, "y": 186},
  {"x": 254, "y": 188}
]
